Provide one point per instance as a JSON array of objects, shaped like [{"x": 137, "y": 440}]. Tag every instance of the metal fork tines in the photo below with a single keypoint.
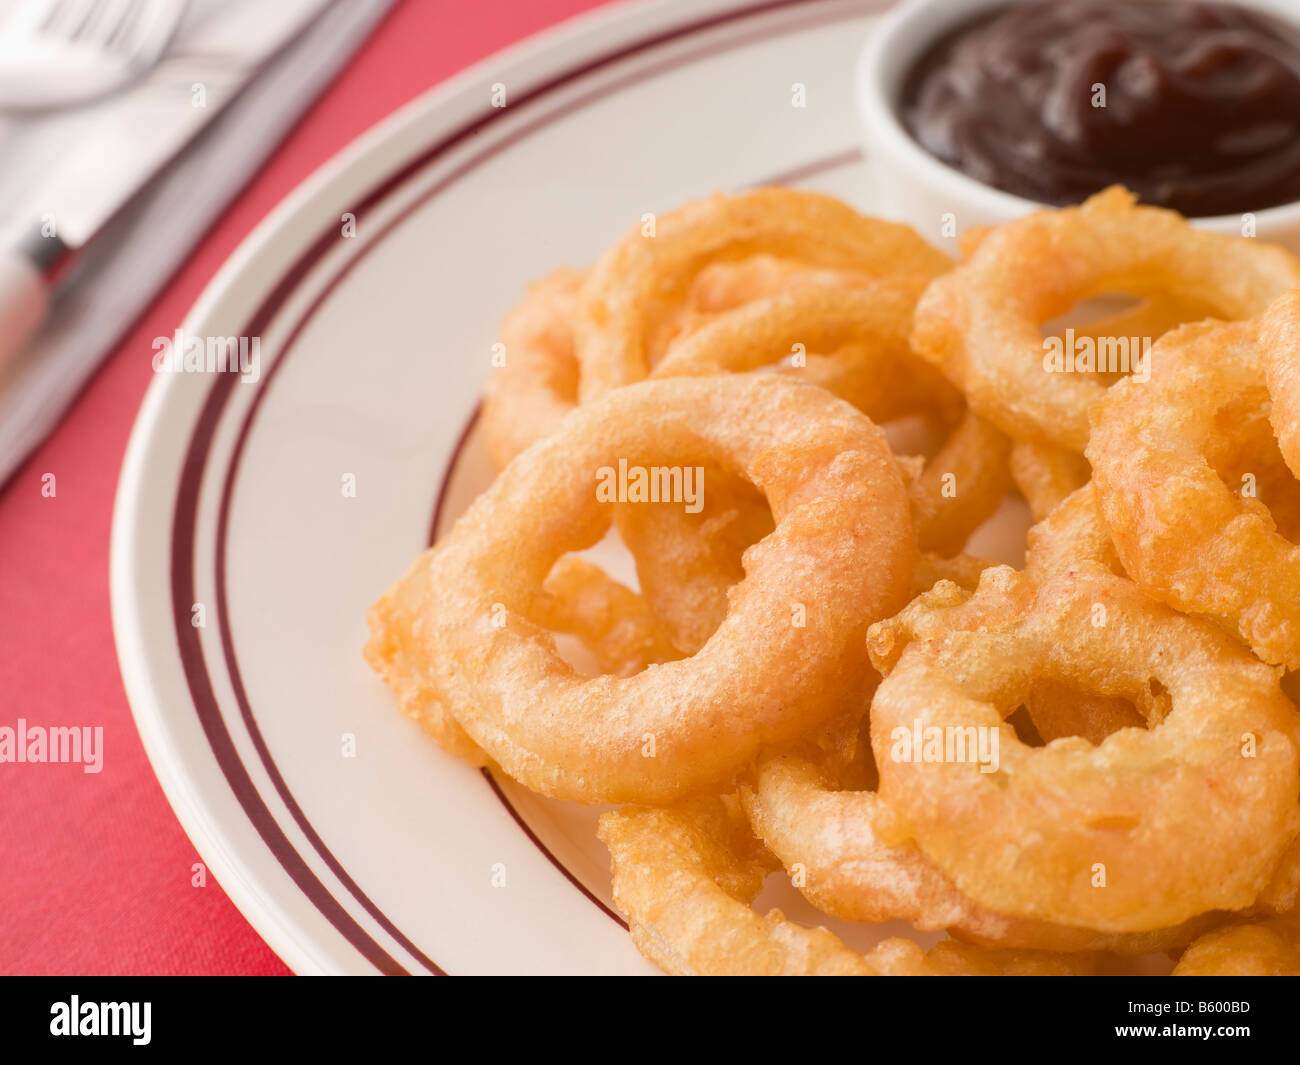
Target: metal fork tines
[{"x": 56, "y": 53}]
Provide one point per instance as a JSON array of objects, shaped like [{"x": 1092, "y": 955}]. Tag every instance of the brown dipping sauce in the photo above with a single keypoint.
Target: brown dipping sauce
[{"x": 1202, "y": 103}]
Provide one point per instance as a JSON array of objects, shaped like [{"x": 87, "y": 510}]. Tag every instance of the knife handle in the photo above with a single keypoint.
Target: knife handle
[{"x": 24, "y": 302}]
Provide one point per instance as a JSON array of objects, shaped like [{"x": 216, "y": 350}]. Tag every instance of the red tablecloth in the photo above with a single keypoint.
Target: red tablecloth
[{"x": 95, "y": 871}]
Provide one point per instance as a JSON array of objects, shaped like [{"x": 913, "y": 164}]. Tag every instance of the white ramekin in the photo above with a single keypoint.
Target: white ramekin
[{"x": 934, "y": 197}]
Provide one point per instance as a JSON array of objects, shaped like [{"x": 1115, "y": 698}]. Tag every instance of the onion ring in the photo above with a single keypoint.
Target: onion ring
[
  {"x": 1180, "y": 532},
  {"x": 536, "y": 385},
  {"x": 1074, "y": 533},
  {"x": 686, "y": 563},
  {"x": 634, "y": 295},
  {"x": 842, "y": 547},
  {"x": 1178, "y": 820},
  {"x": 795, "y": 806},
  {"x": 685, "y": 878},
  {"x": 981, "y": 323},
  {"x": 806, "y": 818},
  {"x": 1045, "y": 474}
]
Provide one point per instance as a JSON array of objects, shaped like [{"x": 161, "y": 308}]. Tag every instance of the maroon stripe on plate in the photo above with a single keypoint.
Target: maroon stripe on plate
[
  {"x": 535, "y": 840},
  {"x": 184, "y": 561},
  {"x": 214, "y": 728}
]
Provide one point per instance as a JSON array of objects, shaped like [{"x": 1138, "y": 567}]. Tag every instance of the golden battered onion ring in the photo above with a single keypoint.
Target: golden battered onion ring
[
  {"x": 685, "y": 563},
  {"x": 686, "y": 877},
  {"x": 1189, "y": 816},
  {"x": 1280, "y": 346},
  {"x": 854, "y": 337},
  {"x": 1263, "y": 948},
  {"x": 1072, "y": 534},
  {"x": 981, "y": 323},
  {"x": 788, "y": 655},
  {"x": 1180, "y": 532},
  {"x": 528, "y": 395},
  {"x": 537, "y": 384},
  {"x": 632, "y": 301},
  {"x": 831, "y": 834},
  {"x": 1045, "y": 474},
  {"x": 727, "y": 284}
]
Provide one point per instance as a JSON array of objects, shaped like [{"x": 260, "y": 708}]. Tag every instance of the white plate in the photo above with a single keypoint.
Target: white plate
[{"x": 374, "y": 349}]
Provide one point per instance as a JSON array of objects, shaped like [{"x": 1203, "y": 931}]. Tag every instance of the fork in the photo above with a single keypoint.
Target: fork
[{"x": 57, "y": 53}]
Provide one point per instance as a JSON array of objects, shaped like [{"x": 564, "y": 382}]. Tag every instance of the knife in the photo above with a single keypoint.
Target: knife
[{"x": 139, "y": 134}]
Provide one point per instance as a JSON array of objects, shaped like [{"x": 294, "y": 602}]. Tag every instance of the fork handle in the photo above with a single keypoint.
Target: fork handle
[{"x": 24, "y": 302}]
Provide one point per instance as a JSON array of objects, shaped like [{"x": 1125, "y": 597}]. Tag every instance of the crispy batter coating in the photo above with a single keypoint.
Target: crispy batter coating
[
  {"x": 1143, "y": 831},
  {"x": 738, "y": 698},
  {"x": 685, "y": 878},
  {"x": 1264, "y": 948},
  {"x": 1158, "y": 453},
  {"x": 630, "y": 304},
  {"x": 981, "y": 323},
  {"x": 530, "y": 392},
  {"x": 789, "y": 653},
  {"x": 1045, "y": 475},
  {"x": 832, "y": 834},
  {"x": 686, "y": 562}
]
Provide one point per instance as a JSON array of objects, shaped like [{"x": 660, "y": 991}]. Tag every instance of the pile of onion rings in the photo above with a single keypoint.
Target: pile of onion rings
[{"x": 794, "y": 419}]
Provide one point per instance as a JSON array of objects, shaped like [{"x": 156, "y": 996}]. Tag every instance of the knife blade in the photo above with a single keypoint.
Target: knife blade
[{"x": 139, "y": 134}]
